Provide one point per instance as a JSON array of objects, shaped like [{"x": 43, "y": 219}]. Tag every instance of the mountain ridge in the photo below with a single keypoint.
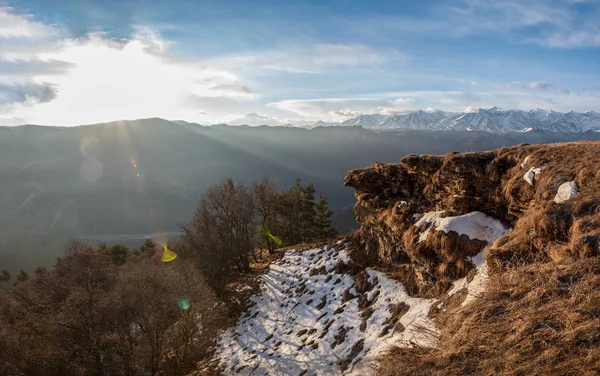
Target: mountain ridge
[{"x": 494, "y": 119}]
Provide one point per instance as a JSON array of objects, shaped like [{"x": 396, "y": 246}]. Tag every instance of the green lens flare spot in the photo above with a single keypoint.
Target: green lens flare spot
[
  {"x": 184, "y": 304},
  {"x": 265, "y": 232}
]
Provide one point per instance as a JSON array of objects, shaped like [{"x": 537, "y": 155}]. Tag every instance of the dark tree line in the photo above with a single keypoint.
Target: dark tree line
[
  {"x": 108, "y": 311},
  {"x": 231, "y": 220}
]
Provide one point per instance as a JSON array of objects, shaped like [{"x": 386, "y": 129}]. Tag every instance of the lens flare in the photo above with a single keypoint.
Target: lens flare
[
  {"x": 265, "y": 232},
  {"x": 184, "y": 304},
  {"x": 168, "y": 255}
]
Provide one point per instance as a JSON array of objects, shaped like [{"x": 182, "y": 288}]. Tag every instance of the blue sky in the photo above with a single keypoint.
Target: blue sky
[{"x": 69, "y": 62}]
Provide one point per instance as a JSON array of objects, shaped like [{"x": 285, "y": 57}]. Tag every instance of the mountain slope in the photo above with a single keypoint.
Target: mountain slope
[
  {"x": 311, "y": 317},
  {"x": 418, "y": 120},
  {"x": 366, "y": 121},
  {"x": 524, "y": 303}
]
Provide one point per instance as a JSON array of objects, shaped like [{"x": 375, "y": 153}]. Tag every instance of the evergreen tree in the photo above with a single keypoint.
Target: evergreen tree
[
  {"x": 4, "y": 276},
  {"x": 323, "y": 226},
  {"x": 146, "y": 248},
  {"x": 148, "y": 244},
  {"x": 308, "y": 213},
  {"x": 118, "y": 253},
  {"x": 291, "y": 208},
  {"x": 22, "y": 276}
]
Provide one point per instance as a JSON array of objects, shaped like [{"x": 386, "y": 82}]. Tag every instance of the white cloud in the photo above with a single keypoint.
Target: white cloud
[
  {"x": 405, "y": 102},
  {"x": 328, "y": 108},
  {"x": 339, "y": 109},
  {"x": 563, "y": 27},
  {"x": 550, "y": 23},
  {"x": 311, "y": 59},
  {"x": 472, "y": 83},
  {"x": 539, "y": 85},
  {"x": 14, "y": 25},
  {"x": 519, "y": 85},
  {"x": 581, "y": 36},
  {"x": 96, "y": 79}
]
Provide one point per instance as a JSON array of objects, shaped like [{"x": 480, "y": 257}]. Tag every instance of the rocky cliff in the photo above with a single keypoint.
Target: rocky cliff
[
  {"x": 547, "y": 195},
  {"x": 507, "y": 240}
]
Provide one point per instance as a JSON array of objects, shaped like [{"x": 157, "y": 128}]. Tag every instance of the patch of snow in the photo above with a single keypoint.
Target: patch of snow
[
  {"x": 494, "y": 230},
  {"x": 403, "y": 203},
  {"x": 430, "y": 217},
  {"x": 244, "y": 288},
  {"x": 476, "y": 225},
  {"x": 285, "y": 332},
  {"x": 477, "y": 285},
  {"x": 566, "y": 191},
  {"x": 529, "y": 175},
  {"x": 524, "y": 164}
]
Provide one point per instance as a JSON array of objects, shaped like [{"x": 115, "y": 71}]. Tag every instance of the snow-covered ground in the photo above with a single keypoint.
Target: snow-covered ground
[
  {"x": 307, "y": 318},
  {"x": 301, "y": 326}
]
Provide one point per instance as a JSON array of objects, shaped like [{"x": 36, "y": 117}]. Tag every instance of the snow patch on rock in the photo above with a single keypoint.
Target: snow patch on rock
[
  {"x": 524, "y": 164},
  {"x": 476, "y": 225},
  {"x": 529, "y": 175},
  {"x": 489, "y": 230},
  {"x": 566, "y": 191}
]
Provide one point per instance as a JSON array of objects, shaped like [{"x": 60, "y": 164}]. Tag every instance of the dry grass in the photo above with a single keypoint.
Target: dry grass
[
  {"x": 540, "y": 313},
  {"x": 491, "y": 182},
  {"x": 541, "y": 319}
]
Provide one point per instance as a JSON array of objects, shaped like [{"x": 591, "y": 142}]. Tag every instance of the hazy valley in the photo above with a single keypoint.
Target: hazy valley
[{"x": 143, "y": 177}]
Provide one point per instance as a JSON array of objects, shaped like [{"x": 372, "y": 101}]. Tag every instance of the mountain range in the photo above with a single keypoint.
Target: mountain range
[
  {"x": 126, "y": 180},
  {"x": 495, "y": 120}
]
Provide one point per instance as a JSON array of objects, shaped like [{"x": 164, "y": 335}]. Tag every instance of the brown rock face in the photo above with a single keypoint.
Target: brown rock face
[{"x": 390, "y": 197}]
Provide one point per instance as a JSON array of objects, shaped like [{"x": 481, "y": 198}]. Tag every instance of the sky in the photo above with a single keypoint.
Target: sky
[{"x": 72, "y": 62}]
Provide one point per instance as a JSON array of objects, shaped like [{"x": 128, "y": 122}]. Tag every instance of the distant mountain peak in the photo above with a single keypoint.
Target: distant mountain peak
[
  {"x": 494, "y": 119},
  {"x": 253, "y": 119}
]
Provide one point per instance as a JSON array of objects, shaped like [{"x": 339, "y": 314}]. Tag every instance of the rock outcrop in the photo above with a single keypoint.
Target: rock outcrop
[{"x": 392, "y": 200}]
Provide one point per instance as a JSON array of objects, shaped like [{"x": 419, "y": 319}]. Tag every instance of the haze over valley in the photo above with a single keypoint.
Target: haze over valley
[{"x": 129, "y": 180}]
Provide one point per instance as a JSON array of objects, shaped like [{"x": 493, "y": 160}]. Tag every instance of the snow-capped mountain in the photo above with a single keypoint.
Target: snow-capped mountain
[
  {"x": 502, "y": 121},
  {"x": 417, "y": 120},
  {"x": 490, "y": 120},
  {"x": 495, "y": 119},
  {"x": 256, "y": 120},
  {"x": 365, "y": 121},
  {"x": 322, "y": 123}
]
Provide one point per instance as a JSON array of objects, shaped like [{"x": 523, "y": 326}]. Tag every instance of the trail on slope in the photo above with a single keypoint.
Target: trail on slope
[{"x": 299, "y": 323}]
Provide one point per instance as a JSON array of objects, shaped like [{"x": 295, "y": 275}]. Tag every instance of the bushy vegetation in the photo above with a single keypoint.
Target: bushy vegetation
[
  {"x": 226, "y": 229},
  {"x": 110, "y": 310}
]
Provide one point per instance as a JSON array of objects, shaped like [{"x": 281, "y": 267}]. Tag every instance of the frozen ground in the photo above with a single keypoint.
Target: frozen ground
[
  {"x": 311, "y": 317},
  {"x": 300, "y": 325}
]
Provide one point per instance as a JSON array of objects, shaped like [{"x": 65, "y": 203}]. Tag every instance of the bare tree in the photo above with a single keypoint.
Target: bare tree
[
  {"x": 89, "y": 316},
  {"x": 222, "y": 232},
  {"x": 266, "y": 198}
]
